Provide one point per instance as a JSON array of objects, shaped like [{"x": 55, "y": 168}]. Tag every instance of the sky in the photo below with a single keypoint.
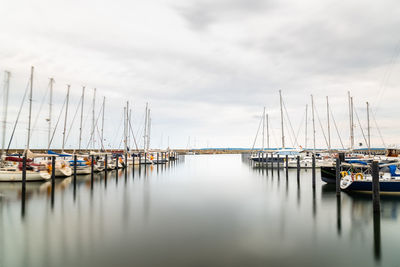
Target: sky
[{"x": 206, "y": 67}]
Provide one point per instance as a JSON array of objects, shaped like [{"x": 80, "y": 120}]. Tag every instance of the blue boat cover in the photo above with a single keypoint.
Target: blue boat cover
[
  {"x": 357, "y": 161},
  {"x": 58, "y": 154},
  {"x": 393, "y": 169}
]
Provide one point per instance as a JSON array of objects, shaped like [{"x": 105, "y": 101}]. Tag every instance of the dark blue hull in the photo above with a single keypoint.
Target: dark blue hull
[
  {"x": 366, "y": 186},
  {"x": 267, "y": 159}
]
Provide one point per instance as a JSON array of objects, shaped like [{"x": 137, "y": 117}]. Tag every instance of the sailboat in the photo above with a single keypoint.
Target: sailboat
[
  {"x": 82, "y": 166},
  {"x": 62, "y": 167},
  {"x": 11, "y": 167}
]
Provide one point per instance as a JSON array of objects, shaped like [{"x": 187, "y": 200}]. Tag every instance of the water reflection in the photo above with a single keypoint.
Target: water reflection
[{"x": 204, "y": 211}]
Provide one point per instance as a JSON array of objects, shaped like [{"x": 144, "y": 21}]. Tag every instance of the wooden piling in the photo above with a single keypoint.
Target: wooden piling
[
  {"x": 375, "y": 186},
  {"x": 272, "y": 162},
  {"x": 287, "y": 166},
  {"x": 278, "y": 158},
  {"x": 338, "y": 176},
  {"x": 126, "y": 160},
  {"x": 298, "y": 167},
  {"x": 24, "y": 173},
  {"x": 313, "y": 170},
  {"x": 116, "y": 166},
  {"x": 91, "y": 171},
  {"x": 53, "y": 171}
]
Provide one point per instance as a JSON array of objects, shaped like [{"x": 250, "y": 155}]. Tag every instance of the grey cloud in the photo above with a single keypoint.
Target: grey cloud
[{"x": 202, "y": 14}]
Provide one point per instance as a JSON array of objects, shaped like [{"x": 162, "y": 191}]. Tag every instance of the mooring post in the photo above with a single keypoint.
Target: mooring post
[
  {"x": 145, "y": 158},
  {"x": 91, "y": 170},
  {"x": 313, "y": 170},
  {"x": 126, "y": 160},
  {"x": 53, "y": 180},
  {"x": 105, "y": 164},
  {"x": 105, "y": 169},
  {"x": 116, "y": 166},
  {"x": 53, "y": 172},
  {"x": 23, "y": 173},
  {"x": 264, "y": 159},
  {"x": 272, "y": 162},
  {"x": 278, "y": 158},
  {"x": 287, "y": 166},
  {"x": 75, "y": 162},
  {"x": 158, "y": 158},
  {"x": 338, "y": 176},
  {"x": 298, "y": 167},
  {"x": 259, "y": 159},
  {"x": 375, "y": 186},
  {"x": 133, "y": 160}
]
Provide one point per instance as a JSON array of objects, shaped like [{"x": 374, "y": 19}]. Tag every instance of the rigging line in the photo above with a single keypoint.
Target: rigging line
[
  {"x": 320, "y": 124},
  {"x": 119, "y": 127},
  {"x": 95, "y": 125},
  {"x": 58, "y": 120},
  {"x": 98, "y": 132},
  {"x": 379, "y": 130},
  {"x": 273, "y": 133},
  {"x": 255, "y": 138},
  {"x": 290, "y": 124},
  {"x": 134, "y": 138},
  {"x": 40, "y": 110},
  {"x": 337, "y": 129},
  {"x": 362, "y": 131},
  {"x": 301, "y": 125},
  {"x": 289, "y": 134},
  {"x": 16, "y": 121},
  {"x": 73, "y": 120}
]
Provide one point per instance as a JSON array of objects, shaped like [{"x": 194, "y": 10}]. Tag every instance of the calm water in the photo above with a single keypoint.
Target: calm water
[{"x": 215, "y": 210}]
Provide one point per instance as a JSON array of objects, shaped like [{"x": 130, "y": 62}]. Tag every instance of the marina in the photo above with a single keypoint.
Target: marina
[{"x": 199, "y": 133}]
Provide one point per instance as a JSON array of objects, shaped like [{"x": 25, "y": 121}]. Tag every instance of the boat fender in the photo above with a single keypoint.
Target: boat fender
[{"x": 359, "y": 176}]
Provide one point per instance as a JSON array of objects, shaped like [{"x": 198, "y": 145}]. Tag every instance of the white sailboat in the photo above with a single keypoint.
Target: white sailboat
[{"x": 11, "y": 167}]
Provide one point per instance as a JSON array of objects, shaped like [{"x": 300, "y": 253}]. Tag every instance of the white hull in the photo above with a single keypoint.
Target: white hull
[
  {"x": 16, "y": 176},
  {"x": 63, "y": 172},
  {"x": 83, "y": 170}
]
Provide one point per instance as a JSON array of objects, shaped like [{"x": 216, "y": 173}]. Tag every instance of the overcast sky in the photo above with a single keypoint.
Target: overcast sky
[{"x": 206, "y": 67}]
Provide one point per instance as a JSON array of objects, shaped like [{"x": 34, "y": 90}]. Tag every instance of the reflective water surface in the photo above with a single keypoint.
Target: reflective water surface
[{"x": 202, "y": 210}]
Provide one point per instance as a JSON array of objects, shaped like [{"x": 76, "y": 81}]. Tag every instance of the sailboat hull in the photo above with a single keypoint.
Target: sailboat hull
[{"x": 16, "y": 176}]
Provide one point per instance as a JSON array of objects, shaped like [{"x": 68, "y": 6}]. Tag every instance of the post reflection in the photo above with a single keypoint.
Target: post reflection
[
  {"x": 377, "y": 236},
  {"x": 339, "y": 214}
]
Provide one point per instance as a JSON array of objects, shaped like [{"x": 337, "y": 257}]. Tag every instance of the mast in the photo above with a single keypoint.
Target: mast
[
  {"x": 65, "y": 119},
  {"x": 369, "y": 132},
  {"x": 329, "y": 126},
  {"x": 145, "y": 129},
  {"x": 148, "y": 129},
  {"x": 125, "y": 120},
  {"x": 305, "y": 138},
  {"x": 263, "y": 131},
  {"x": 126, "y": 125},
  {"x": 102, "y": 123},
  {"x": 313, "y": 121},
  {"x": 93, "y": 118},
  {"x": 5, "y": 109},
  {"x": 30, "y": 110},
  {"x": 50, "y": 112},
  {"x": 268, "y": 132},
  {"x": 80, "y": 126},
  {"x": 283, "y": 133},
  {"x": 351, "y": 120}
]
